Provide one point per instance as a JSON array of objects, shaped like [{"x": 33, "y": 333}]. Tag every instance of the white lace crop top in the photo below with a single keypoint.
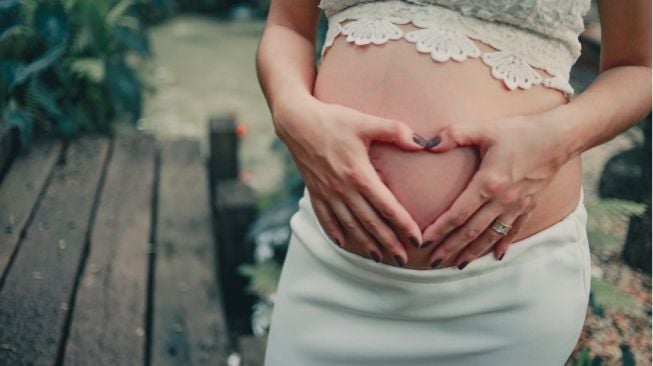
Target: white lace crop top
[{"x": 526, "y": 34}]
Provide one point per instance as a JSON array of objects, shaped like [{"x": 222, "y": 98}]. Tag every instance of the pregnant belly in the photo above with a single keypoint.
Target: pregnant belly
[{"x": 394, "y": 81}]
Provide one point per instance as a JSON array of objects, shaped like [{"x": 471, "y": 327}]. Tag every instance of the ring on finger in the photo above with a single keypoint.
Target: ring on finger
[{"x": 500, "y": 227}]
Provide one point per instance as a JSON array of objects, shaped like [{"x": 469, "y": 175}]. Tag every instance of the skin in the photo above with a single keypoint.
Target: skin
[
  {"x": 513, "y": 156},
  {"x": 429, "y": 96}
]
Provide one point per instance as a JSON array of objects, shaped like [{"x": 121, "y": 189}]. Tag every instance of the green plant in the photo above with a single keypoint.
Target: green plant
[
  {"x": 585, "y": 359},
  {"x": 264, "y": 277},
  {"x": 67, "y": 65},
  {"x": 604, "y": 213}
]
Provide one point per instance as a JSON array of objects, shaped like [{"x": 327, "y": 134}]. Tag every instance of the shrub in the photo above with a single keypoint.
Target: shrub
[{"x": 66, "y": 65}]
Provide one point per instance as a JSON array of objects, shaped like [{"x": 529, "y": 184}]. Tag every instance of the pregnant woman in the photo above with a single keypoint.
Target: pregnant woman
[{"x": 443, "y": 219}]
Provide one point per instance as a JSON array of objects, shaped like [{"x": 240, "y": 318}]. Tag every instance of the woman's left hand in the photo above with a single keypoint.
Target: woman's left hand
[{"x": 519, "y": 158}]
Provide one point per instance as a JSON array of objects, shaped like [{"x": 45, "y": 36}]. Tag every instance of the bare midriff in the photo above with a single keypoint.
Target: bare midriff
[{"x": 393, "y": 80}]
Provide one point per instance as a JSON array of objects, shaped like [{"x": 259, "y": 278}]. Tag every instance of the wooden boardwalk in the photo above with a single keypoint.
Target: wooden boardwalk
[{"x": 106, "y": 256}]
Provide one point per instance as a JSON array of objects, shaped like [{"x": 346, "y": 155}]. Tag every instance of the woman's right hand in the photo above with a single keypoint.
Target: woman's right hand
[{"x": 330, "y": 144}]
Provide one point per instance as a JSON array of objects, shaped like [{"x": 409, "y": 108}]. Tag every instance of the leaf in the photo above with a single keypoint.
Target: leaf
[
  {"x": 6, "y": 5},
  {"x": 583, "y": 357},
  {"x": 604, "y": 213},
  {"x": 597, "y": 361},
  {"x": 15, "y": 117},
  {"x": 627, "y": 356},
  {"x": 90, "y": 68},
  {"x": 44, "y": 97},
  {"x": 81, "y": 41},
  {"x": 8, "y": 73},
  {"x": 124, "y": 88},
  {"x": 13, "y": 31},
  {"x": 608, "y": 296},
  {"x": 616, "y": 208},
  {"x": 117, "y": 11},
  {"x": 132, "y": 40},
  {"x": 51, "y": 23},
  {"x": 263, "y": 277},
  {"x": 66, "y": 125},
  {"x": 23, "y": 72}
]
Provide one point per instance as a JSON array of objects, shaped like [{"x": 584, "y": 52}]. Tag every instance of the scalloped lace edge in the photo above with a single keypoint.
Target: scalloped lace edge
[{"x": 444, "y": 44}]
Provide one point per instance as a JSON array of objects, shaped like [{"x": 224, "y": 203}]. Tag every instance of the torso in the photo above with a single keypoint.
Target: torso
[{"x": 394, "y": 81}]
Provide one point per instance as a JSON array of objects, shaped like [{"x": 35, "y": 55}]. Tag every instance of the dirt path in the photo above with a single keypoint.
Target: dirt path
[{"x": 204, "y": 67}]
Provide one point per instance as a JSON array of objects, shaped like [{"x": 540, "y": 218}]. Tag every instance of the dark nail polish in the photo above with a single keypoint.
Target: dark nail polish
[
  {"x": 432, "y": 142},
  {"x": 501, "y": 256},
  {"x": 436, "y": 262},
  {"x": 427, "y": 244},
  {"x": 462, "y": 265},
  {"x": 413, "y": 240},
  {"x": 419, "y": 140},
  {"x": 399, "y": 260},
  {"x": 375, "y": 257}
]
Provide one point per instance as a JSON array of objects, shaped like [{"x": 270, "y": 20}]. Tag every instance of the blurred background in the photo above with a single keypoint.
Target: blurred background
[{"x": 182, "y": 74}]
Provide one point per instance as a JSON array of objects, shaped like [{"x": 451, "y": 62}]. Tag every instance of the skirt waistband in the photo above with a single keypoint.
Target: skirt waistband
[{"x": 306, "y": 227}]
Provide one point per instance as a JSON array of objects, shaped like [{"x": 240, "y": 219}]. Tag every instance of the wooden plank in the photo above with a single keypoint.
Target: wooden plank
[
  {"x": 19, "y": 192},
  {"x": 188, "y": 323},
  {"x": 252, "y": 350},
  {"x": 108, "y": 325},
  {"x": 36, "y": 295}
]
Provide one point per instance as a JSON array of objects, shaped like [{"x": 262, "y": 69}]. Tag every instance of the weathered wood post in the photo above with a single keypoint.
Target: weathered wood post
[
  {"x": 236, "y": 209},
  {"x": 234, "y": 204},
  {"x": 223, "y": 160}
]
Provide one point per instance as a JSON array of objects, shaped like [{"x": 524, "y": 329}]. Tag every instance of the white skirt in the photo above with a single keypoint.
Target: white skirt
[{"x": 334, "y": 307}]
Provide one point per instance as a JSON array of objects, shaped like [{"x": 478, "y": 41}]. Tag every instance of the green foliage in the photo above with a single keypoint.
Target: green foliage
[
  {"x": 65, "y": 65},
  {"x": 603, "y": 214},
  {"x": 608, "y": 296},
  {"x": 263, "y": 276},
  {"x": 585, "y": 359}
]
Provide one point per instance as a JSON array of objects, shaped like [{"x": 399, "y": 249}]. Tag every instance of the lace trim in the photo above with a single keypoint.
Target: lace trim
[{"x": 446, "y": 35}]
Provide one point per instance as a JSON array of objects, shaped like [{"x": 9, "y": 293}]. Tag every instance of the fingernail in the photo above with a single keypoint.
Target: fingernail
[
  {"x": 427, "y": 244},
  {"x": 376, "y": 257},
  {"x": 436, "y": 262},
  {"x": 501, "y": 256},
  {"x": 462, "y": 265},
  {"x": 419, "y": 140},
  {"x": 432, "y": 142},
  {"x": 399, "y": 260},
  {"x": 413, "y": 240}
]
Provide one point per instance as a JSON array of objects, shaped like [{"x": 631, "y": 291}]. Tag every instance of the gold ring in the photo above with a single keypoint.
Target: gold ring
[{"x": 500, "y": 227}]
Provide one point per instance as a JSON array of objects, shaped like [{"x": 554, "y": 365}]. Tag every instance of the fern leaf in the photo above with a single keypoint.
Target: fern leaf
[
  {"x": 117, "y": 11},
  {"x": 263, "y": 277},
  {"x": 89, "y": 68},
  {"x": 43, "y": 97}
]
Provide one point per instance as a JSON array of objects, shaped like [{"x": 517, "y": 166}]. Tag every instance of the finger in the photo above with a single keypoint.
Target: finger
[
  {"x": 391, "y": 131},
  {"x": 355, "y": 230},
  {"x": 465, "y": 234},
  {"x": 486, "y": 240},
  {"x": 501, "y": 247},
  {"x": 328, "y": 220},
  {"x": 456, "y": 135},
  {"x": 385, "y": 202},
  {"x": 376, "y": 226},
  {"x": 467, "y": 203}
]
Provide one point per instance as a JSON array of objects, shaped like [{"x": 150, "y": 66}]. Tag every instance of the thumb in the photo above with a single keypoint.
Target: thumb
[
  {"x": 395, "y": 132},
  {"x": 456, "y": 135}
]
